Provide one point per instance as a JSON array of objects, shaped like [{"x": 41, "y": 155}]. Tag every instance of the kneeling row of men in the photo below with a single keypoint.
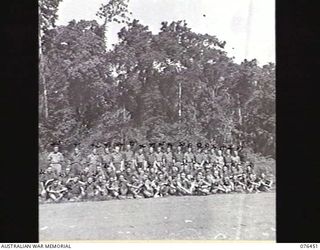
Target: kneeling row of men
[{"x": 148, "y": 182}]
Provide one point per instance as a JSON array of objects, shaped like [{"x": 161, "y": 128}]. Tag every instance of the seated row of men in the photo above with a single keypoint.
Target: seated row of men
[{"x": 146, "y": 179}]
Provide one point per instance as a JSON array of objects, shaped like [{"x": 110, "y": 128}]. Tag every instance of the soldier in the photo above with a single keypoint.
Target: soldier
[
  {"x": 206, "y": 155},
  {"x": 199, "y": 159},
  {"x": 265, "y": 183},
  {"x": 135, "y": 186},
  {"x": 99, "y": 172},
  {"x": 151, "y": 157},
  {"x": 140, "y": 159},
  {"x": 172, "y": 181},
  {"x": 217, "y": 186},
  {"x": 113, "y": 187},
  {"x": 75, "y": 189},
  {"x": 56, "y": 159},
  {"x": 213, "y": 155},
  {"x": 42, "y": 189},
  {"x": 56, "y": 191},
  {"x": 147, "y": 189},
  {"x": 163, "y": 185},
  {"x": 129, "y": 155},
  {"x": 85, "y": 174},
  {"x": 189, "y": 157},
  {"x": 252, "y": 183},
  {"x": 94, "y": 159},
  {"x": 228, "y": 158},
  {"x": 106, "y": 157},
  {"x": 89, "y": 189},
  {"x": 101, "y": 191},
  {"x": 159, "y": 157},
  {"x": 123, "y": 188},
  {"x": 184, "y": 185},
  {"x": 202, "y": 187},
  {"x": 178, "y": 157},
  {"x": 227, "y": 185},
  {"x": 168, "y": 157},
  {"x": 235, "y": 158},
  {"x": 117, "y": 159},
  {"x": 220, "y": 159},
  {"x": 48, "y": 177},
  {"x": 66, "y": 175},
  {"x": 76, "y": 160}
]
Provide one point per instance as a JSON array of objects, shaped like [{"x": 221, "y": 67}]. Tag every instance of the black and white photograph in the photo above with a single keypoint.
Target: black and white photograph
[{"x": 157, "y": 120}]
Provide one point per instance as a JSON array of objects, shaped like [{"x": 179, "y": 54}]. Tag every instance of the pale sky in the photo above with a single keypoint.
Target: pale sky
[{"x": 248, "y": 26}]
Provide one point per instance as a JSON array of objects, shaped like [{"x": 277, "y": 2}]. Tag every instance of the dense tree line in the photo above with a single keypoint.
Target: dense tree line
[{"x": 173, "y": 86}]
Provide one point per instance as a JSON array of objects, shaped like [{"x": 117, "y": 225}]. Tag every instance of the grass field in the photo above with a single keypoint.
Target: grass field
[{"x": 214, "y": 217}]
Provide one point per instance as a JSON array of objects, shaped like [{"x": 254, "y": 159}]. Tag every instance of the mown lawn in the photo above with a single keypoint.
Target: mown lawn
[{"x": 214, "y": 217}]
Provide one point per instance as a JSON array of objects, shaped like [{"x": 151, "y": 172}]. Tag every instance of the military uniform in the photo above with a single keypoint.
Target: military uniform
[
  {"x": 93, "y": 161},
  {"x": 140, "y": 159},
  {"x": 189, "y": 158},
  {"x": 76, "y": 162},
  {"x": 128, "y": 158},
  {"x": 117, "y": 159},
  {"x": 106, "y": 159},
  {"x": 151, "y": 158},
  {"x": 168, "y": 157},
  {"x": 159, "y": 158},
  {"x": 56, "y": 159}
]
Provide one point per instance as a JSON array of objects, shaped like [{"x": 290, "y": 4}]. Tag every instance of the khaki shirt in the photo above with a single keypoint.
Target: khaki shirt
[
  {"x": 117, "y": 157},
  {"x": 189, "y": 157},
  {"x": 168, "y": 156},
  {"x": 55, "y": 158},
  {"x": 159, "y": 156},
  {"x": 140, "y": 157}
]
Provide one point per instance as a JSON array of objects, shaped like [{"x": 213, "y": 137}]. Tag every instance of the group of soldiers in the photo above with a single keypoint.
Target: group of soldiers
[{"x": 146, "y": 171}]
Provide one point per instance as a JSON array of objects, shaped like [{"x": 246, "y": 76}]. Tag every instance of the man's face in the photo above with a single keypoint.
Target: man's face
[
  {"x": 228, "y": 151},
  {"x": 183, "y": 175},
  {"x": 117, "y": 149},
  {"x": 179, "y": 148},
  {"x": 236, "y": 153},
  {"x": 128, "y": 147},
  {"x": 76, "y": 150},
  {"x": 140, "y": 150},
  {"x": 106, "y": 149},
  {"x": 159, "y": 149},
  {"x": 56, "y": 149},
  {"x": 94, "y": 150},
  {"x": 55, "y": 183},
  {"x": 219, "y": 152},
  {"x": 86, "y": 169},
  {"x": 49, "y": 169},
  {"x": 206, "y": 151},
  {"x": 121, "y": 177},
  {"x": 189, "y": 149},
  {"x": 67, "y": 170},
  {"x": 168, "y": 149},
  {"x": 98, "y": 168},
  {"x": 151, "y": 149},
  {"x": 90, "y": 180}
]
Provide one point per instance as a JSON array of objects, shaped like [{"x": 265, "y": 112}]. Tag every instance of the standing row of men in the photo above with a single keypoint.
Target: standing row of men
[{"x": 155, "y": 156}]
